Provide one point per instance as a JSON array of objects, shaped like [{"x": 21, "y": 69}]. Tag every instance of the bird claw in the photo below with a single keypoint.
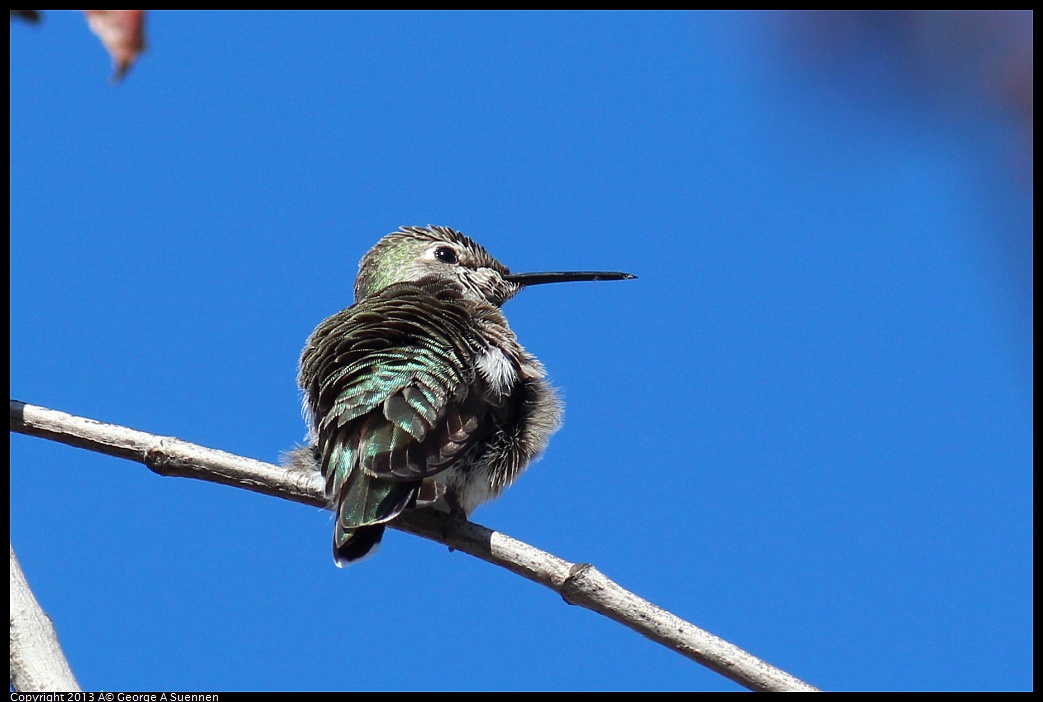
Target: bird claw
[{"x": 456, "y": 514}]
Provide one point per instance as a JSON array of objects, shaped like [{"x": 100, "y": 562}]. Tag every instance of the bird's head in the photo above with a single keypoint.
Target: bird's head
[{"x": 414, "y": 253}]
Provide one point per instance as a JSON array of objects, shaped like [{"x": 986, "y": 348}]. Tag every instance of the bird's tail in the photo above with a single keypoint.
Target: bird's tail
[
  {"x": 366, "y": 505},
  {"x": 353, "y": 545}
]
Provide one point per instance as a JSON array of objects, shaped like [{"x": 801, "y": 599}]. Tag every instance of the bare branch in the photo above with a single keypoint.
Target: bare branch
[
  {"x": 578, "y": 583},
  {"x": 37, "y": 661}
]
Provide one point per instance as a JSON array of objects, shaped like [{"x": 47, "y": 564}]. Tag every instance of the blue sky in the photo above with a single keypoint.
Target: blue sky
[{"x": 805, "y": 428}]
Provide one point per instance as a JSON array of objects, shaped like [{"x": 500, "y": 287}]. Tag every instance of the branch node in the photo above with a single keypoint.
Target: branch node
[
  {"x": 571, "y": 586},
  {"x": 158, "y": 460}
]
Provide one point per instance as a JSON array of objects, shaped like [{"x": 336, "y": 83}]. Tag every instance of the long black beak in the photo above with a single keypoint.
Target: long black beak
[{"x": 565, "y": 277}]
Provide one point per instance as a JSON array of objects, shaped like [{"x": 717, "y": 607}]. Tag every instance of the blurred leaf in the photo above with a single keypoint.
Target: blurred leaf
[
  {"x": 27, "y": 15},
  {"x": 122, "y": 32}
]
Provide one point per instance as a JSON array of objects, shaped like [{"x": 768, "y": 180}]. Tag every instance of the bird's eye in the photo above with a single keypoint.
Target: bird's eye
[{"x": 445, "y": 254}]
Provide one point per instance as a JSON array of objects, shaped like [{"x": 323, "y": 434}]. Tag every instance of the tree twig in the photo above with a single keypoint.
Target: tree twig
[
  {"x": 37, "y": 661},
  {"x": 578, "y": 583}
]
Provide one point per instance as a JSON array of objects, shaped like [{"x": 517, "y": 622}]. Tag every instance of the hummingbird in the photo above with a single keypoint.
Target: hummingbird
[{"x": 419, "y": 394}]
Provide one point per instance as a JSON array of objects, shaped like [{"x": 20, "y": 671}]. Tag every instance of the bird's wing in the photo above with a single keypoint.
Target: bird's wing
[{"x": 391, "y": 386}]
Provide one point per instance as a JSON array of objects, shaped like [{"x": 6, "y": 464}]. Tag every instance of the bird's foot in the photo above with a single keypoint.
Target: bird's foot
[{"x": 456, "y": 514}]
